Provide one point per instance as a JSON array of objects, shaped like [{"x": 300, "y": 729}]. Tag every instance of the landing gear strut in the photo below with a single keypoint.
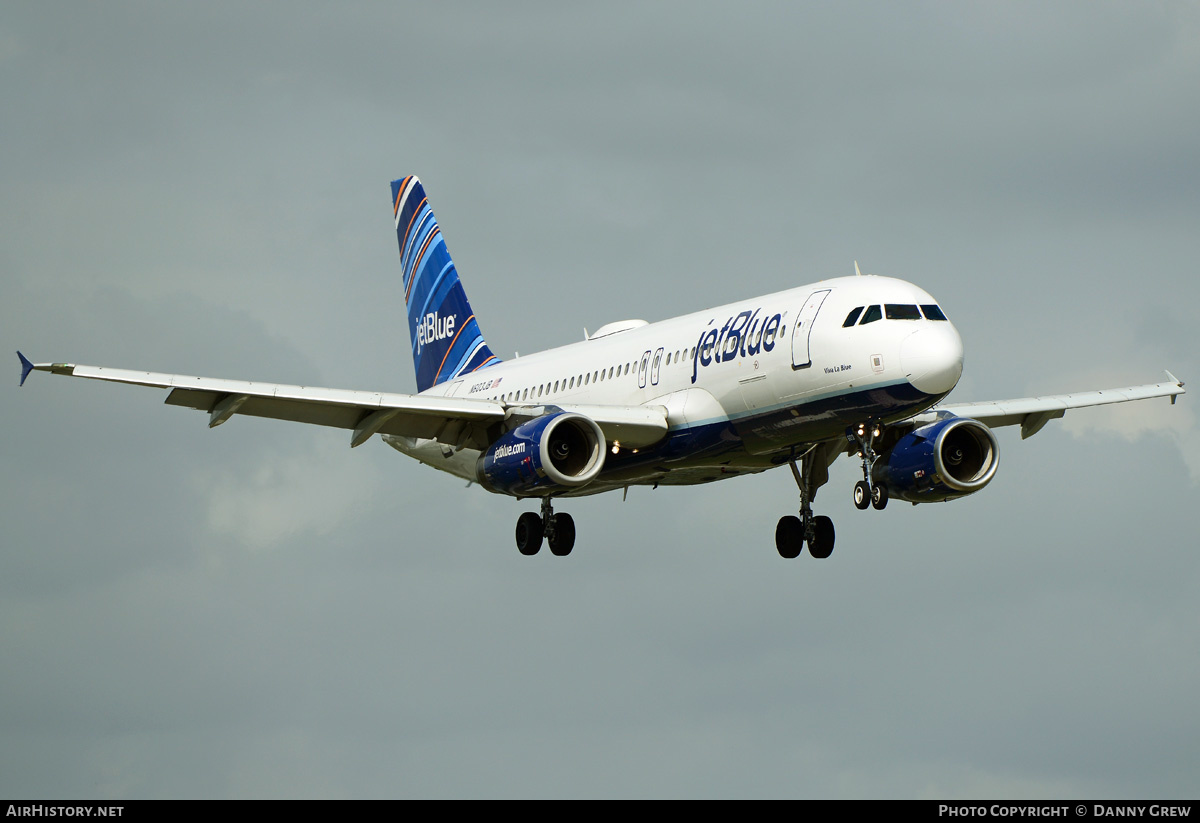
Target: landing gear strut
[
  {"x": 867, "y": 493},
  {"x": 558, "y": 529},
  {"x": 816, "y": 530}
]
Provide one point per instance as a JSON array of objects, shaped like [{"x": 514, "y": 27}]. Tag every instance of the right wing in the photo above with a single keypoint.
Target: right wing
[
  {"x": 1031, "y": 413},
  {"x": 455, "y": 421}
]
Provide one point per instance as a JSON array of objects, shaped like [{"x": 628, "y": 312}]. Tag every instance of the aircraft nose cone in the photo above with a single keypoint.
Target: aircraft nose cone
[{"x": 932, "y": 358}]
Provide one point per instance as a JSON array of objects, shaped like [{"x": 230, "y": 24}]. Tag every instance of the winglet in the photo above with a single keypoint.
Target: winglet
[
  {"x": 26, "y": 367},
  {"x": 1177, "y": 382}
]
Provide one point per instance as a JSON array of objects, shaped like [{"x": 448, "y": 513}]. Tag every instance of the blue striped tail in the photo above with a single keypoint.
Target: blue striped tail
[{"x": 446, "y": 340}]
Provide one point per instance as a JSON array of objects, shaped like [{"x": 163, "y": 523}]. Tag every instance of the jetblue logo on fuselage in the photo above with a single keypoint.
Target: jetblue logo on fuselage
[
  {"x": 432, "y": 327},
  {"x": 743, "y": 335}
]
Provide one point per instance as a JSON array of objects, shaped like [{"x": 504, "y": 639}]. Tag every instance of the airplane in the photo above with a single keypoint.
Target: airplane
[{"x": 856, "y": 365}]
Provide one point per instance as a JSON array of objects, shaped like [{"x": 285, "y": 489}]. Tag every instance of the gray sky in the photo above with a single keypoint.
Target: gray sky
[{"x": 260, "y": 611}]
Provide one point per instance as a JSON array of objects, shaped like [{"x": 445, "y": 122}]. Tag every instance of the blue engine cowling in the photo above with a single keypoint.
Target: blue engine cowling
[
  {"x": 563, "y": 450},
  {"x": 944, "y": 460}
]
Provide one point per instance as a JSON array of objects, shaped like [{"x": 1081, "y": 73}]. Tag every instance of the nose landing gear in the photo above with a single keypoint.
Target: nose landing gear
[{"x": 867, "y": 493}]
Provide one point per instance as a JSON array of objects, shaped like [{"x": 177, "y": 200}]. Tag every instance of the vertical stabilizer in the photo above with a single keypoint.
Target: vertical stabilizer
[{"x": 446, "y": 340}]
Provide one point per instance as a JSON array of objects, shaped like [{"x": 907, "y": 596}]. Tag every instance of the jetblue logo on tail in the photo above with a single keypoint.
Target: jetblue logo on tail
[
  {"x": 433, "y": 328},
  {"x": 446, "y": 340}
]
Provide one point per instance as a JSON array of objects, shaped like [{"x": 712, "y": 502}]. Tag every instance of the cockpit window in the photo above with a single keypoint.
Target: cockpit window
[
  {"x": 852, "y": 317},
  {"x": 900, "y": 311},
  {"x": 872, "y": 314},
  {"x": 932, "y": 312}
]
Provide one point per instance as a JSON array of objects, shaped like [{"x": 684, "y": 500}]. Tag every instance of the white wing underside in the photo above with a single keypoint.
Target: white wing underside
[
  {"x": 460, "y": 422},
  {"x": 1031, "y": 413}
]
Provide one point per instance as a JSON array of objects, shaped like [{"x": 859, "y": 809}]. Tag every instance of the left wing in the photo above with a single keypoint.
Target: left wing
[
  {"x": 1031, "y": 413},
  {"x": 455, "y": 421}
]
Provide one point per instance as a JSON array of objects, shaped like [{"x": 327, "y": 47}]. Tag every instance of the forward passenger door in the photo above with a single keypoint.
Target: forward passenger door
[{"x": 802, "y": 329}]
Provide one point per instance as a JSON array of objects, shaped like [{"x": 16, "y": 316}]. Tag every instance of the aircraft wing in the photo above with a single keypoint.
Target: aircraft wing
[
  {"x": 452, "y": 420},
  {"x": 1031, "y": 413}
]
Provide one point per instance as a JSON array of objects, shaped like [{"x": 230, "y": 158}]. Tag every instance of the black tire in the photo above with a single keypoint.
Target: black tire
[
  {"x": 879, "y": 496},
  {"x": 821, "y": 545},
  {"x": 862, "y": 495},
  {"x": 562, "y": 537},
  {"x": 529, "y": 533},
  {"x": 789, "y": 537}
]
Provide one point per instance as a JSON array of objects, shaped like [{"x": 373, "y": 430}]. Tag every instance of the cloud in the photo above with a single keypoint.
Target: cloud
[{"x": 311, "y": 493}]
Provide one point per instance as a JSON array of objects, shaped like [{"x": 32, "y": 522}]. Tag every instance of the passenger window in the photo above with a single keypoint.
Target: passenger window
[
  {"x": 901, "y": 311},
  {"x": 932, "y": 312},
  {"x": 872, "y": 314},
  {"x": 852, "y": 317}
]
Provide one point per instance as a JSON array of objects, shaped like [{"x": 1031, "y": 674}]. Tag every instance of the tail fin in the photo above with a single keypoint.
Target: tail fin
[{"x": 446, "y": 340}]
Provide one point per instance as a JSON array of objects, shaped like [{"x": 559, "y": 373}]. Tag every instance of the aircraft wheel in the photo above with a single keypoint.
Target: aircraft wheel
[
  {"x": 562, "y": 538},
  {"x": 789, "y": 537},
  {"x": 529, "y": 533},
  {"x": 821, "y": 544},
  {"x": 862, "y": 495},
  {"x": 879, "y": 496}
]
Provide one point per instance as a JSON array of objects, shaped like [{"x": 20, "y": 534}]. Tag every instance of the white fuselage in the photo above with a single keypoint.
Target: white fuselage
[{"x": 743, "y": 384}]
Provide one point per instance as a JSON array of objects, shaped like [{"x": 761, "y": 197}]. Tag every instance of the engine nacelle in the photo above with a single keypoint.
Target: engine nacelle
[
  {"x": 944, "y": 460},
  {"x": 563, "y": 450}
]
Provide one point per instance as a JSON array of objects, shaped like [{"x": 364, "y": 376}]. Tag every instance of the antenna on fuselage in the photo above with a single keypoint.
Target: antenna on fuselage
[{"x": 856, "y": 271}]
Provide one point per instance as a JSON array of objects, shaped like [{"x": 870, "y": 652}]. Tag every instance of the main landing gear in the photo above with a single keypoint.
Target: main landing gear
[
  {"x": 558, "y": 529},
  {"x": 816, "y": 530},
  {"x": 867, "y": 493}
]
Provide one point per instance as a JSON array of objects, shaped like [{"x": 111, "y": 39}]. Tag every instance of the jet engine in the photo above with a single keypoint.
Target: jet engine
[
  {"x": 563, "y": 450},
  {"x": 944, "y": 460}
]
